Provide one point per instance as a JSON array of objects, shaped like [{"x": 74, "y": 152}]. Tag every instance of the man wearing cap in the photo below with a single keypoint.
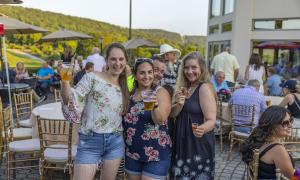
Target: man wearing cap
[
  {"x": 227, "y": 63},
  {"x": 170, "y": 55},
  {"x": 291, "y": 98}
]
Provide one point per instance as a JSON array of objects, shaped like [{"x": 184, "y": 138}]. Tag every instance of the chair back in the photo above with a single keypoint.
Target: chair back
[
  {"x": 242, "y": 115},
  {"x": 252, "y": 169},
  {"x": 7, "y": 124},
  {"x": 57, "y": 95},
  {"x": 23, "y": 106},
  {"x": 219, "y": 107},
  {"x": 55, "y": 134}
]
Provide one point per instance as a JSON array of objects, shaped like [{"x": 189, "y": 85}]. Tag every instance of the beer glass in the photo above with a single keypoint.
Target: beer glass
[
  {"x": 194, "y": 126},
  {"x": 66, "y": 72},
  {"x": 268, "y": 102},
  {"x": 147, "y": 97}
]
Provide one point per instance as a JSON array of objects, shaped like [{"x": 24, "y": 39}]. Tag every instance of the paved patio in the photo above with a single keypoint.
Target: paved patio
[{"x": 233, "y": 169}]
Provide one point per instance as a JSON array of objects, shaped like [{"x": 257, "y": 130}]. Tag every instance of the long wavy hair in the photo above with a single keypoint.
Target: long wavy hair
[
  {"x": 265, "y": 130},
  {"x": 123, "y": 75},
  {"x": 182, "y": 81}
]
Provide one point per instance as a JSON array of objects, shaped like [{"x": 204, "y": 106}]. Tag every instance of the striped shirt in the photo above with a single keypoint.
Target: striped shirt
[{"x": 171, "y": 77}]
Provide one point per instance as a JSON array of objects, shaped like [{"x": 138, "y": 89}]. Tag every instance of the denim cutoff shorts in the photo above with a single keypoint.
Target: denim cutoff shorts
[
  {"x": 153, "y": 169},
  {"x": 93, "y": 148}
]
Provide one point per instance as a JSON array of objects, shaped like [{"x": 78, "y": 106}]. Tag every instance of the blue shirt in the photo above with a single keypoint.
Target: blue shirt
[
  {"x": 273, "y": 83},
  {"x": 217, "y": 86},
  {"x": 43, "y": 72},
  {"x": 249, "y": 96}
]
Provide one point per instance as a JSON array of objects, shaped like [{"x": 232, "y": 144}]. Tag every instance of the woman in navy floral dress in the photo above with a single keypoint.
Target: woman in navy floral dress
[
  {"x": 193, "y": 148},
  {"x": 148, "y": 144}
]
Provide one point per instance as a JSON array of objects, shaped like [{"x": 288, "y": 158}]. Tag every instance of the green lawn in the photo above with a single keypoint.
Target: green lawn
[{"x": 14, "y": 58}]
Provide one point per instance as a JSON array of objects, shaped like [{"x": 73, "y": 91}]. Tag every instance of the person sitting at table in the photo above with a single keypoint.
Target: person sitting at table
[
  {"x": 249, "y": 95},
  {"x": 89, "y": 67},
  {"x": 44, "y": 77},
  {"x": 291, "y": 92},
  {"x": 275, "y": 124},
  {"x": 55, "y": 83},
  {"x": 273, "y": 82},
  {"x": 11, "y": 73},
  {"x": 218, "y": 81},
  {"x": 21, "y": 72}
]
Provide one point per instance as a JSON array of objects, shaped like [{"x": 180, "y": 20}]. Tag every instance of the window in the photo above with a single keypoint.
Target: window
[
  {"x": 215, "y": 8},
  {"x": 214, "y": 29},
  {"x": 228, "y": 6},
  {"x": 227, "y": 27},
  {"x": 291, "y": 24},
  {"x": 277, "y": 24}
]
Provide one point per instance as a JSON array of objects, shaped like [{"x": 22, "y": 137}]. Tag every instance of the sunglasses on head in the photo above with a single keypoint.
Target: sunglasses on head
[
  {"x": 287, "y": 123},
  {"x": 141, "y": 60}
]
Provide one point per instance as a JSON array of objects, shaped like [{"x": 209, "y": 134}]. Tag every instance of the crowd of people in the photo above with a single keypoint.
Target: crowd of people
[{"x": 175, "y": 138}]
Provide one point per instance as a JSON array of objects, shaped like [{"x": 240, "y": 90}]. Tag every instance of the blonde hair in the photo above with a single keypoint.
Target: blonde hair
[
  {"x": 204, "y": 77},
  {"x": 22, "y": 70}
]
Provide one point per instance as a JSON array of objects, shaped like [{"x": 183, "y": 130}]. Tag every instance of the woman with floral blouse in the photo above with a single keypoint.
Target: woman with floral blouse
[
  {"x": 98, "y": 102},
  {"x": 148, "y": 144}
]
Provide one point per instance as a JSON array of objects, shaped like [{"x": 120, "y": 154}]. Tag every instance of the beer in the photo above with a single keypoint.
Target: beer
[
  {"x": 149, "y": 105},
  {"x": 148, "y": 100},
  {"x": 268, "y": 102},
  {"x": 194, "y": 126},
  {"x": 66, "y": 74},
  {"x": 184, "y": 91}
]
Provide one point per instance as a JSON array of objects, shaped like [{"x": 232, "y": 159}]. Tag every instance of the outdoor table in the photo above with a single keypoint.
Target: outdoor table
[
  {"x": 14, "y": 88},
  {"x": 50, "y": 111}
]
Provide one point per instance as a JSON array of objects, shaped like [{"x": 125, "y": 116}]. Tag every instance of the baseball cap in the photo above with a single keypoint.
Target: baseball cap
[{"x": 289, "y": 84}]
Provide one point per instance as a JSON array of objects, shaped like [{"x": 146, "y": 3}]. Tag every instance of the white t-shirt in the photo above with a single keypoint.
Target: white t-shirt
[
  {"x": 99, "y": 62},
  {"x": 227, "y": 63}
]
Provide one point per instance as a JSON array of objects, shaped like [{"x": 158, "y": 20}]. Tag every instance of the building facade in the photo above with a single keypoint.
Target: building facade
[{"x": 244, "y": 24}]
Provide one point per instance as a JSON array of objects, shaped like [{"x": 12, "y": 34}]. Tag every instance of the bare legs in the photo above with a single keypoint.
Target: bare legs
[{"x": 109, "y": 170}]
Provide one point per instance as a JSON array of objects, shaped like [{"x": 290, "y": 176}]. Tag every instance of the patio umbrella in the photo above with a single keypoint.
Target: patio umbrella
[
  {"x": 11, "y": 2},
  {"x": 138, "y": 42},
  {"x": 278, "y": 45},
  {"x": 14, "y": 26},
  {"x": 65, "y": 35}
]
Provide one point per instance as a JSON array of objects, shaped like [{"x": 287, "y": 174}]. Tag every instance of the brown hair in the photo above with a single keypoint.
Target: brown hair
[
  {"x": 272, "y": 70},
  {"x": 122, "y": 77},
  {"x": 89, "y": 65},
  {"x": 255, "y": 60}
]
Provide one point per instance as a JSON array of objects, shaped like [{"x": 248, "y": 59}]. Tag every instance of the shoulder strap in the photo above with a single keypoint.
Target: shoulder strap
[
  {"x": 267, "y": 149},
  {"x": 296, "y": 101}
]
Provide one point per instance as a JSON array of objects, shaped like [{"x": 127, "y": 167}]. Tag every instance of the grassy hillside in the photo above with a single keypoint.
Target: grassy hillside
[
  {"x": 111, "y": 33},
  {"x": 15, "y": 57}
]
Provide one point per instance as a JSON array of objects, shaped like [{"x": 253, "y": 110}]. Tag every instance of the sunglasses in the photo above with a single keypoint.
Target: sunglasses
[
  {"x": 287, "y": 123},
  {"x": 141, "y": 60}
]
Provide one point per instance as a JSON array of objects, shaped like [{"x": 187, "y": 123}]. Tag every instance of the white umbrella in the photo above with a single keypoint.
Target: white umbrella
[{"x": 11, "y": 2}]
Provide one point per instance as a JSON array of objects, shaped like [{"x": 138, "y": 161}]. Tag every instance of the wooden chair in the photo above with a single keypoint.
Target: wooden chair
[
  {"x": 252, "y": 168},
  {"x": 23, "y": 106},
  {"x": 57, "y": 95},
  {"x": 240, "y": 116},
  {"x": 57, "y": 151},
  {"x": 29, "y": 148},
  {"x": 224, "y": 125}
]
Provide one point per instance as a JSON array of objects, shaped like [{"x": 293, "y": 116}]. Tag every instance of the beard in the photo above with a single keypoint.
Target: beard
[{"x": 170, "y": 66}]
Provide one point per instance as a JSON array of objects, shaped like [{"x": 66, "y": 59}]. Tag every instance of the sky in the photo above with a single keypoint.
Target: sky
[{"x": 187, "y": 17}]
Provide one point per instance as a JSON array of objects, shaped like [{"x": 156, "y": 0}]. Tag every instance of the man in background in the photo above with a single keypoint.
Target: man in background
[
  {"x": 249, "y": 95},
  {"x": 96, "y": 59},
  {"x": 227, "y": 63},
  {"x": 170, "y": 56},
  {"x": 44, "y": 77},
  {"x": 219, "y": 82},
  {"x": 159, "y": 69},
  {"x": 89, "y": 67}
]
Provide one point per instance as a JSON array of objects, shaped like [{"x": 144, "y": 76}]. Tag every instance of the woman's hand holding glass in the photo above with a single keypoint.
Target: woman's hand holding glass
[
  {"x": 180, "y": 97},
  {"x": 199, "y": 131}
]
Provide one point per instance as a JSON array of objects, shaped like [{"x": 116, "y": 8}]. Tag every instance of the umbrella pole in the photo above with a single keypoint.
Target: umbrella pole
[{"x": 7, "y": 74}]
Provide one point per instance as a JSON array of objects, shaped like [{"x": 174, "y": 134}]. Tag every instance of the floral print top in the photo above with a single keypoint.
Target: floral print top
[
  {"x": 145, "y": 140},
  {"x": 96, "y": 105}
]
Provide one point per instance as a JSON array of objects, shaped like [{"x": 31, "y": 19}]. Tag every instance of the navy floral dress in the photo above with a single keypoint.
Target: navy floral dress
[{"x": 145, "y": 140}]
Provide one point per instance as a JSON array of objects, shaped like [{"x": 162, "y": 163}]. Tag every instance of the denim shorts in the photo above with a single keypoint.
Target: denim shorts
[
  {"x": 93, "y": 148},
  {"x": 153, "y": 169}
]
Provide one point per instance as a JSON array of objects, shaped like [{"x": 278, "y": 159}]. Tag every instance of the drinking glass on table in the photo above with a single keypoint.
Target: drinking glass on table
[
  {"x": 268, "y": 102},
  {"x": 66, "y": 72},
  {"x": 148, "y": 99}
]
